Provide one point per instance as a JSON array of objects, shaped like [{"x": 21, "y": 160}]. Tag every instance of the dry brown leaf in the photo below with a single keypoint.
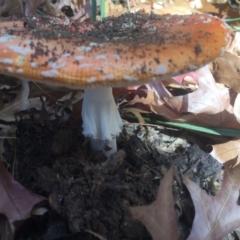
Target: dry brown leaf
[
  {"x": 159, "y": 88},
  {"x": 55, "y": 96},
  {"x": 209, "y": 105},
  {"x": 137, "y": 113},
  {"x": 19, "y": 103},
  {"x": 225, "y": 70},
  {"x": 225, "y": 152},
  {"x": 180, "y": 8},
  {"x": 191, "y": 77},
  {"x": 160, "y": 217},
  {"x": 11, "y": 6},
  {"x": 216, "y": 216},
  {"x": 31, "y": 6},
  {"x": 234, "y": 44},
  {"x": 219, "y": 8},
  {"x": 56, "y": 103},
  {"x": 156, "y": 104},
  {"x": 148, "y": 100},
  {"x": 52, "y": 94},
  {"x": 16, "y": 202},
  {"x": 236, "y": 107}
]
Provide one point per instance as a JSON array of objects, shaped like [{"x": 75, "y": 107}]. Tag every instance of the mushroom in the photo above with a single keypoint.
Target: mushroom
[{"x": 119, "y": 51}]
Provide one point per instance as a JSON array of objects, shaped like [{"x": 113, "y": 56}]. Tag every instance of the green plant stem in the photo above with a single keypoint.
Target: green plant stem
[
  {"x": 94, "y": 10},
  {"x": 102, "y": 9},
  {"x": 229, "y": 132},
  {"x": 231, "y": 19}
]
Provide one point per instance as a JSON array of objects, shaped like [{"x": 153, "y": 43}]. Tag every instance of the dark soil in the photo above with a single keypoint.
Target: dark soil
[{"x": 89, "y": 196}]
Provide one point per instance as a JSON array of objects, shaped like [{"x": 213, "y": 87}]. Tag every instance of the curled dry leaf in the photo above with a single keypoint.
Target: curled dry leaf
[
  {"x": 11, "y": 6},
  {"x": 83, "y": 10},
  {"x": 216, "y": 216},
  {"x": 160, "y": 217},
  {"x": 31, "y": 6},
  {"x": 19, "y": 103},
  {"x": 74, "y": 9},
  {"x": 156, "y": 104},
  {"x": 225, "y": 152},
  {"x": 177, "y": 7},
  {"x": 56, "y": 103},
  {"x": 54, "y": 94},
  {"x": 55, "y": 8},
  {"x": 188, "y": 81},
  {"x": 159, "y": 89},
  {"x": 225, "y": 70},
  {"x": 209, "y": 105},
  {"x": 16, "y": 202},
  {"x": 137, "y": 113},
  {"x": 234, "y": 44},
  {"x": 192, "y": 76},
  {"x": 236, "y": 107}
]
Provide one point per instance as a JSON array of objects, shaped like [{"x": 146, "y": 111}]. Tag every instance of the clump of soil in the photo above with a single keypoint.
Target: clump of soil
[{"x": 90, "y": 195}]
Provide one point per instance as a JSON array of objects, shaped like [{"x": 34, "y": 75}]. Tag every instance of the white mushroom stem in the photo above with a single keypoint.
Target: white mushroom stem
[{"x": 101, "y": 119}]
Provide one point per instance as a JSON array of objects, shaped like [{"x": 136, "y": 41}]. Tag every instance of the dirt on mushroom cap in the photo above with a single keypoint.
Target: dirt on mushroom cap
[{"x": 128, "y": 50}]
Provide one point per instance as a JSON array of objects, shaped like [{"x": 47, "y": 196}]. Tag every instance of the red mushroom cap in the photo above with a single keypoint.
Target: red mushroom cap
[{"x": 128, "y": 50}]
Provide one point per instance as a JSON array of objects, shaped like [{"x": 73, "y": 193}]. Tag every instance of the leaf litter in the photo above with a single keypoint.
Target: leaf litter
[
  {"x": 86, "y": 192},
  {"x": 216, "y": 108},
  {"x": 16, "y": 201},
  {"x": 215, "y": 216}
]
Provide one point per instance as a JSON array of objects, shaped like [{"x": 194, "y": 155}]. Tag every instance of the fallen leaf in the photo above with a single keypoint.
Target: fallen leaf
[
  {"x": 19, "y": 103},
  {"x": 11, "y": 6},
  {"x": 16, "y": 201},
  {"x": 209, "y": 105},
  {"x": 159, "y": 89},
  {"x": 156, "y": 104},
  {"x": 52, "y": 94},
  {"x": 236, "y": 107},
  {"x": 234, "y": 44},
  {"x": 31, "y": 7},
  {"x": 181, "y": 78},
  {"x": 215, "y": 216},
  {"x": 225, "y": 152},
  {"x": 160, "y": 217},
  {"x": 137, "y": 113},
  {"x": 83, "y": 12},
  {"x": 55, "y": 103},
  {"x": 225, "y": 70}
]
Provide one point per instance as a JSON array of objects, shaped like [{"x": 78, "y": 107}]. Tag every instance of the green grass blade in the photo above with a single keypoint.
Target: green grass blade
[
  {"x": 229, "y": 132},
  {"x": 232, "y": 19}
]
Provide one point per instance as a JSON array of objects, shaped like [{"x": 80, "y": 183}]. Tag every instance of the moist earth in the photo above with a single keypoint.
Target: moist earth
[{"x": 89, "y": 195}]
